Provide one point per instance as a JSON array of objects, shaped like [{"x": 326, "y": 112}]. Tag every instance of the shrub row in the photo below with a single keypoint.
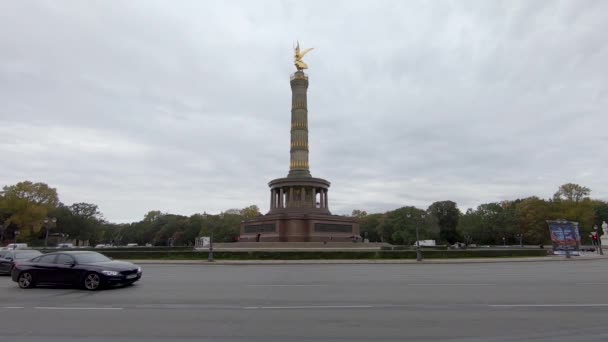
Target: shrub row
[
  {"x": 309, "y": 255},
  {"x": 407, "y": 247},
  {"x": 119, "y": 249}
]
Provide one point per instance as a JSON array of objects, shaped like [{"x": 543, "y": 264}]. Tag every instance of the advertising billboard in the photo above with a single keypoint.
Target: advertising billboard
[{"x": 565, "y": 235}]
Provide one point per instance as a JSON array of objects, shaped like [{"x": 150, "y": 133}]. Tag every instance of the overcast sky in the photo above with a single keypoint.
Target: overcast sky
[{"x": 184, "y": 106}]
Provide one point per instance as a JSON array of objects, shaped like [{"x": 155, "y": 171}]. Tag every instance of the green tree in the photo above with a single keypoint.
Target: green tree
[
  {"x": 489, "y": 223},
  {"x": 601, "y": 214},
  {"x": 358, "y": 213},
  {"x": 471, "y": 227},
  {"x": 152, "y": 215},
  {"x": 571, "y": 192},
  {"x": 369, "y": 226},
  {"x": 399, "y": 226},
  {"x": 532, "y": 215},
  {"x": 446, "y": 214},
  {"x": 86, "y": 210}
]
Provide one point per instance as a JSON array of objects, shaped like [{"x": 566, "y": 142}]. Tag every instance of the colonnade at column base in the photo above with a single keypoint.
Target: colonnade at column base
[{"x": 299, "y": 227}]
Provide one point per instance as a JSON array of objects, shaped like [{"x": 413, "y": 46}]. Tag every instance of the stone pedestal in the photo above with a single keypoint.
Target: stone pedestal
[{"x": 292, "y": 226}]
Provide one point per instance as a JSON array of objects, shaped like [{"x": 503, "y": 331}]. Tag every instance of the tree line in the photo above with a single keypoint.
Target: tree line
[
  {"x": 29, "y": 211},
  {"x": 506, "y": 222}
]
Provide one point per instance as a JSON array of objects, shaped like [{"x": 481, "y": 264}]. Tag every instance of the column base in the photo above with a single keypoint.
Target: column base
[{"x": 299, "y": 174}]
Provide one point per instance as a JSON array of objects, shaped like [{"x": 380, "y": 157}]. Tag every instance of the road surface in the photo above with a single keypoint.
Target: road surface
[{"x": 540, "y": 301}]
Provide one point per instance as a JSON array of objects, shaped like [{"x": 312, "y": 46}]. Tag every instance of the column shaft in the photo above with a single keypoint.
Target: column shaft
[
  {"x": 322, "y": 198},
  {"x": 271, "y": 198}
]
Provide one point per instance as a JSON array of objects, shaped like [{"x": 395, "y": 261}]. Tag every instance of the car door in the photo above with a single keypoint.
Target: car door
[
  {"x": 43, "y": 268},
  {"x": 65, "y": 270},
  {"x": 6, "y": 262}
]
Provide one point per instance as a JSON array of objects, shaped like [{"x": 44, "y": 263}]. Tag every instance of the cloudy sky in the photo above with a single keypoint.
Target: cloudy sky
[{"x": 184, "y": 106}]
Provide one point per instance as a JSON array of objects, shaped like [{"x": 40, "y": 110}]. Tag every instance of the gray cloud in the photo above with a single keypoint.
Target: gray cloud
[{"x": 184, "y": 106}]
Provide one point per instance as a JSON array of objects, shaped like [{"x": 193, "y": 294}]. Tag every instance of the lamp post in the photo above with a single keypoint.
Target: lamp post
[
  {"x": 418, "y": 251},
  {"x": 467, "y": 240},
  {"x": 212, "y": 229},
  {"x": 520, "y": 236},
  {"x": 47, "y": 224},
  {"x": 210, "y": 256}
]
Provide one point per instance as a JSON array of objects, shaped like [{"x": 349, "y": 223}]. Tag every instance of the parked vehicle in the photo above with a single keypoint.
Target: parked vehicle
[
  {"x": 132, "y": 245},
  {"x": 90, "y": 270},
  {"x": 10, "y": 257},
  {"x": 15, "y": 246},
  {"x": 65, "y": 245}
]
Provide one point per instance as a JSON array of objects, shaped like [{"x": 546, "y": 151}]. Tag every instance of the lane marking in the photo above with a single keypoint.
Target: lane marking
[
  {"x": 284, "y": 285},
  {"x": 546, "y": 305},
  {"x": 13, "y": 307},
  {"x": 591, "y": 283},
  {"x": 456, "y": 284},
  {"x": 308, "y": 307},
  {"x": 71, "y": 308}
]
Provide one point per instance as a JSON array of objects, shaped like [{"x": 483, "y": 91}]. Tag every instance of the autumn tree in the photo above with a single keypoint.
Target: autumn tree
[
  {"x": 249, "y": 212},
  {"x": 27, "y": 204}
]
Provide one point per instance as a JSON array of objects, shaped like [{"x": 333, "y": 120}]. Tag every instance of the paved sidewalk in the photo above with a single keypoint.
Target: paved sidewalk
[{"x": 587, "y": 257}]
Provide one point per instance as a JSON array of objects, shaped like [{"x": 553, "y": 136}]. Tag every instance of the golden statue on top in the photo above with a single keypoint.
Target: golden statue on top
[{"x": 299, "y": 63}]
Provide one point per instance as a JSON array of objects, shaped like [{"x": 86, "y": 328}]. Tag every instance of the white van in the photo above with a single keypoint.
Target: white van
[{"x": 16, "y": 246}]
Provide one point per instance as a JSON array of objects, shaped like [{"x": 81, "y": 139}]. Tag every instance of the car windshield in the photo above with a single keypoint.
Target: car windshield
[
  {"x": 26, "y": 255},
  {"x": 90, "y": 258}
]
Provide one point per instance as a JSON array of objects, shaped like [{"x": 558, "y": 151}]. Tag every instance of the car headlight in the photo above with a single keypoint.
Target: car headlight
[
  {"x": 110, "y": 273},
  {"x": 139, "y": 270}
]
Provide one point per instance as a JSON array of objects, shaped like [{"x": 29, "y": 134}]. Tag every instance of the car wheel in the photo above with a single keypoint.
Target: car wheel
[
  {"x": 92, "y": 281},
  {"x": 25, "y": 280}
]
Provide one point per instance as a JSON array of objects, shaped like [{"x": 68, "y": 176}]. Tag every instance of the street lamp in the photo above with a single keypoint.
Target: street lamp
[
  {"x": 520, "y": 236},
  {"x": 418, "y": 251},
  {"x": 467, "y": 240},
  {"x": 47, "y": 223},
  {"x": 210, "y": 255}
]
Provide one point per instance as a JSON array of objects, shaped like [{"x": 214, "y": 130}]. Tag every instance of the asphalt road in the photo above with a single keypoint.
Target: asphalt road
[{"x": 532, "y": 301}]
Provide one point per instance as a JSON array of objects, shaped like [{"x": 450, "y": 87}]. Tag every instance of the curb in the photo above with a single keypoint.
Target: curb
[{"x": 362, "y": 261}]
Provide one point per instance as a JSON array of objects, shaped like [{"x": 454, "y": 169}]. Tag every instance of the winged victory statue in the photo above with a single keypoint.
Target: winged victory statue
[{"x": 299, "y": 63}]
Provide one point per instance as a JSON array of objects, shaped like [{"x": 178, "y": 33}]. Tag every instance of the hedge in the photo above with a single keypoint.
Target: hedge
[
  {"x": 330, "y": 255},
  {"x": 121, "y": 249}
]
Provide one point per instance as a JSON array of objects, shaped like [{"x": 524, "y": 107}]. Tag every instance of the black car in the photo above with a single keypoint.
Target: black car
[
  {"x": 89, "y": 270},
  {"x": 10, "y": 257}
]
